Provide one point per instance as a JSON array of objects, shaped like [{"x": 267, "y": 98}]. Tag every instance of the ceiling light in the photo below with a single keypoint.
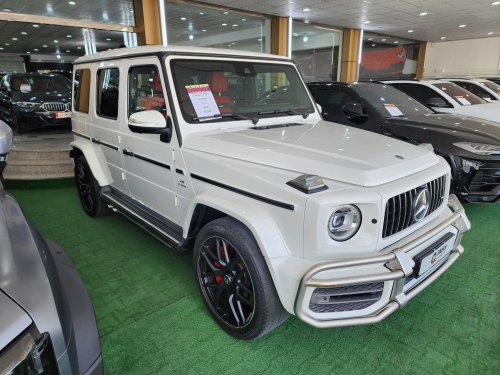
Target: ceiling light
[
  {"x": 56, "y": 41},
  {"x": 202, "y": 13},
  {"x": 229, "y": 45},
  {"x": 259, "y": 40},
  {"x": 233, "y": 43},
  {"x": 306, "y": 9},
  {"x": 1, "y": 48},
  {"x": 495, "y": 3},
  {"x": 108, "y": 39},
  {"x": 36, "y": 25},
  {"x": 491, "y": 32},
  {"x": 423, "y": 14},
  {"x": 71, "y": 3},
  {"x": 224, "y": 24},
  {"x": 243, "y": 19},
  {"x": 443, "y": 37},
  {"x": 183, "y": 18},
  {"x": 24, "y": 33},
  {"x": 306, "y": 21},
  {"x": 383, "y": 40},
  {"x": 124, "y": 29},
  {"x": 69, "y": 36},
  {"x": 366, "y": 22},
  {"x": 203, "y": 30},
  {"x": 234, "y": 25},
  {"x": 44, "y": 46},
  {"x": 35, "y": 49},
  {"x": 225, "y": 13},
  {"x": 58, "y": 56},
  {"x": 28, "y": 52},
  {"x": 7, "y": 10},
  {"x": 14, "y": 38},
  {"x": 396, "y": 42},
  {"x": 191, "y": 37},
  {"x": 78, "y": 47},
  {"x": 7, "y": 44},
  {"x": 462, "y": 25},
  {"x": 305, "y": 39},
  {"x": 68, "y": 50},
  {"x": 410, "y": 31}
]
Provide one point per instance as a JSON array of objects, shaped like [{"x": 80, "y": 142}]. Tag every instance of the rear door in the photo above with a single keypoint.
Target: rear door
[{"x": 110, "y": 84}]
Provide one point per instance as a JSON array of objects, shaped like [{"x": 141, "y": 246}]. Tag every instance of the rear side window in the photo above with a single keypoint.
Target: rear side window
[
  {"x": 81, "y": 90},
  {"x": 108, "y": 84},
  {"x": 420, "y": 92},
  {"x": 472, "y": 87},
  {"x": 145, "y": 90}
]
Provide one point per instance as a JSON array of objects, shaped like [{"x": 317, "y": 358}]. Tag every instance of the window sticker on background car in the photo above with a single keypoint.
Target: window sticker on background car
[
  {"x": 25, "y": 87},
  {"x": 203, "y": 101},
  {"x": 462, "y": 100},
  {"x": 393, "y": 110}
]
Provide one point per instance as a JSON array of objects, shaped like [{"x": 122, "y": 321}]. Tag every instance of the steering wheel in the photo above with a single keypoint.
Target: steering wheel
[{"x": 262, "y": 101}]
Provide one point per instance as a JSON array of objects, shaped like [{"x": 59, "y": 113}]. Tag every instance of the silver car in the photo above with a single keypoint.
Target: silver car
[{"x": 47, "y": 322}]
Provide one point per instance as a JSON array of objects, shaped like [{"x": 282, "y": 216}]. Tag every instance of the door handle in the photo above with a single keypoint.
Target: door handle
[{"x": 128, "y": 152}]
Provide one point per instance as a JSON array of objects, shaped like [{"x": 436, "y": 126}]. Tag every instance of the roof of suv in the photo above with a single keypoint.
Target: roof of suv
[
  {"x": 182, "y": 50},
  {"x": 422, "y": 81}
]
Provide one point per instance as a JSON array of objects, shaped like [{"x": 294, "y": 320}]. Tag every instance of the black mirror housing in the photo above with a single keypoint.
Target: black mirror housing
[
  {"x": 353, "y": 110},
  {"x": 437, "y": 102}
]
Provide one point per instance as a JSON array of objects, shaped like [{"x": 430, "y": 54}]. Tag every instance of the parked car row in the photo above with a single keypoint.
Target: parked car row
[{"x": 35, "y": 100}]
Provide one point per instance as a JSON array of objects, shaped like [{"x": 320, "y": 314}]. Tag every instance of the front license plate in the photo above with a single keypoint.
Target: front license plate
[
  {"x": 63, "y": 114},
  {"x": 430, "y": 257}
]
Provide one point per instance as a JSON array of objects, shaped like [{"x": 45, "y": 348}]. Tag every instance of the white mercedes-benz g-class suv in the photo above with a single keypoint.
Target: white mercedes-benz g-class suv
[{"x": 226, "y": 154}]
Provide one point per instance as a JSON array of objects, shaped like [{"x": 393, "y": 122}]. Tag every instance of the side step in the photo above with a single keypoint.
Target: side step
[{"x": 166, "y": 230}]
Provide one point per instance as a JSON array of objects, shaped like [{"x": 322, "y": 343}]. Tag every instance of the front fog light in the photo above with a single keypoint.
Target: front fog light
[{"x": 344, "y": 223}]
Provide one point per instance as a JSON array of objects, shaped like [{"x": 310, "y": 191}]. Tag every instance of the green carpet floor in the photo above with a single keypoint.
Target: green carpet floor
[{"x": 152, "y": 321}]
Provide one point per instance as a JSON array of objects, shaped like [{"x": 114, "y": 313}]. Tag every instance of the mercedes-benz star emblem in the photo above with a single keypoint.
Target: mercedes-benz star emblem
[
  {"x": 421, "y": 204},
  {"x": 228, "y": 279}
]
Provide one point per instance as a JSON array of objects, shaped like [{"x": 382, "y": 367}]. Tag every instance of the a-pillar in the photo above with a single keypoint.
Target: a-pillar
[
  {"x": 350, "y": 51},
  {"x": 147, "y": 22}
]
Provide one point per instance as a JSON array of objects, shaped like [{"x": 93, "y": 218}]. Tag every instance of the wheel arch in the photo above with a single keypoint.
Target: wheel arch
[{"x": 95, "y": 159}]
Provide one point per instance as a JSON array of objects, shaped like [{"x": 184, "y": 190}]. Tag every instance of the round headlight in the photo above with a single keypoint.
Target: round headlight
[{"x": 344, "y": 223}]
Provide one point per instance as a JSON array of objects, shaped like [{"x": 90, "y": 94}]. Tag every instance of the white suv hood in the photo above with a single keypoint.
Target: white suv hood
[{"x": 325, "y": 149}]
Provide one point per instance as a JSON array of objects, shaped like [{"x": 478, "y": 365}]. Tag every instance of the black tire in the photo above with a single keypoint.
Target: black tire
[
  {"x": 18, "y": 124},
  {"x": 234, "y": 281},
  {"x": 88, "y": 190}
]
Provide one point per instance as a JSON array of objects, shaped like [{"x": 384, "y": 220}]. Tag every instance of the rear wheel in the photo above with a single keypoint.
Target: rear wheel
[
  {"x": 234, "y": 280},
  {"x": 89, "y": 190}
]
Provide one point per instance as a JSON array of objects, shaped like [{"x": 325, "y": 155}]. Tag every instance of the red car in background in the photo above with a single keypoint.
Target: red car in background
[{"x": 381, "y": 59}]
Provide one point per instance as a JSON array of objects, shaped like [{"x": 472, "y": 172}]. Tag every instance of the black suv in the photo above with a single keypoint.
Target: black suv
[
  {"x": 34, "y": 100},
  {"x": 471, "y": 146}
]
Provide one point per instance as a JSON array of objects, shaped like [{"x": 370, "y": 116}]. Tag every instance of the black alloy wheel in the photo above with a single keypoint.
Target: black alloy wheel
[
  {"x": 234, "y": 281},
  {"x": 226, "y": 282},
  {"x": 89, "y": 190}
]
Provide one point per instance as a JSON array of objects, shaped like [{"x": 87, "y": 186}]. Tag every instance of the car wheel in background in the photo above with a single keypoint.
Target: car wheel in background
[
  {"x": 234, "y": 280},
  {"x": 88, "y": 190}
]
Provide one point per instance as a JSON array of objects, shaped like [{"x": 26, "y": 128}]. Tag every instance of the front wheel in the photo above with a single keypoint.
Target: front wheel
[
  {"x": 234, "y": 281},
  {"x": 89, "y": 190}
]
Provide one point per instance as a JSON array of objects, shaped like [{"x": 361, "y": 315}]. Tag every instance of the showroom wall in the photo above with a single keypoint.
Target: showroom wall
[{"x": 474, "y": 57}]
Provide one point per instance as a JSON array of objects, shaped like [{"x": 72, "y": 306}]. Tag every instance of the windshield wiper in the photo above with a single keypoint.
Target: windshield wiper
[
  {"x": 287, "y": 111},
  {"x": 236, "y": 116},
  {"x": 396, "y": 116}
]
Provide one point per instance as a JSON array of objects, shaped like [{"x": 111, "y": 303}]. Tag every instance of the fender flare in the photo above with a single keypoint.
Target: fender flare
[
  {"x": 95, "y": 159},
  {"x": 254, "y": 218}
]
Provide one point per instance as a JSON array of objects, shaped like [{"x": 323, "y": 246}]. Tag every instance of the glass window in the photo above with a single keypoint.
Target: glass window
[
  {"x": 207, "y": 26},
  {"x": 332, "y": 101},
  {"x": 108, "y": 84},
  {"x": 420, "y": 92},
  {"x": 316, "y": 51},
  {"x": 457, "y": 93},
  {"x": 81, "y": 90},
  {"x": 145, "y": 90},
  {"x": 492, "y": 86},
  {"x": 386, "y": 57},
  {"x": 472, "y": 87},
  {"x": 247, "y": 88},
  {"x": 381, "y": 97}
]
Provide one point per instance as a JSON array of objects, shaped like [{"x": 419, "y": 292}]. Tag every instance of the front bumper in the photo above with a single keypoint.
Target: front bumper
[
  {"x": 400, "y": 266},
  {"x": 477, "y": 184},
  {"x": 39, "y": 119}
]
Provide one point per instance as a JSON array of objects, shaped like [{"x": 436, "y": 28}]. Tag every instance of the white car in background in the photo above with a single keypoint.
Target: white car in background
[
  {"x": 487, "y": 90},
  {"x": 448, "y": 97}
]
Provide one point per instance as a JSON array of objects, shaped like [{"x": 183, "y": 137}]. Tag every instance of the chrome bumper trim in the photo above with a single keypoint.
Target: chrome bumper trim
[{"x": 399, "y": 264}]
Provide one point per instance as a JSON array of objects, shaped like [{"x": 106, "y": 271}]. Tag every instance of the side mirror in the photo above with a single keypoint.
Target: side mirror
[
  {"x": 484, "y": 96},
  {"x": 436, "y": 102},
  {"x": 146, "y": 122},
  {"x": 5, "y": 144},
  {"x": 3, "y": 88},
  {"x": 353, "y": 110}
]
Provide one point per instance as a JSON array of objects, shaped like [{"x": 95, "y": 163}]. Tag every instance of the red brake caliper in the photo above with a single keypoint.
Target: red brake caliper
[{"x": 218, "y": 279}]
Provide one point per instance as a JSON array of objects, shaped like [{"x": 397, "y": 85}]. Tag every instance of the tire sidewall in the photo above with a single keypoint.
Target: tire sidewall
[{"x": 95, "y": 187}]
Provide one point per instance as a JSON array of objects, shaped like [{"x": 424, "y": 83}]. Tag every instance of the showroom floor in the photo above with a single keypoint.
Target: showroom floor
[{"x": 152, "y": 320}]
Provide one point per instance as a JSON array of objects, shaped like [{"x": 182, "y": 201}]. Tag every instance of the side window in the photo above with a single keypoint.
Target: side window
[
  {"x": 420, "y": 92},
  {"x": 332, "y": 101},
  {"x": 81, "y": 90},
  {"x": 145, "y": 91},
  {"x": 108, "y": 84}
]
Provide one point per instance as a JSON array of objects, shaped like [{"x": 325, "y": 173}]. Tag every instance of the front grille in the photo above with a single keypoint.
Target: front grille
[
  {"x": 486, "y": 178},
  {"x": 399, "y": 209},
  {"x": 56, "y": 107},
  {"x": 345, "y": 298}
]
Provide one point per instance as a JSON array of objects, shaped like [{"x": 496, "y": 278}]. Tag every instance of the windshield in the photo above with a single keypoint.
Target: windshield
[
  {"x": 388, "y": 101},
  {"x": 492, "y": 86},
  {"x": 207, "y": 89},
  {"x": 459, "y": 94},
  {"x": 45, "y": 82}
]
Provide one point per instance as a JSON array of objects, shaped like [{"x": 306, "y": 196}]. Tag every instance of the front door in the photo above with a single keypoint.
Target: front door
[
  {"x": 147, "y": 161},
  {"x": 106, "y": 118}
]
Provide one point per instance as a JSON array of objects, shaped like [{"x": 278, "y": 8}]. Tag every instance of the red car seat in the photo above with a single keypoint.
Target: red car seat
[{"x": 218, "y": 85}]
